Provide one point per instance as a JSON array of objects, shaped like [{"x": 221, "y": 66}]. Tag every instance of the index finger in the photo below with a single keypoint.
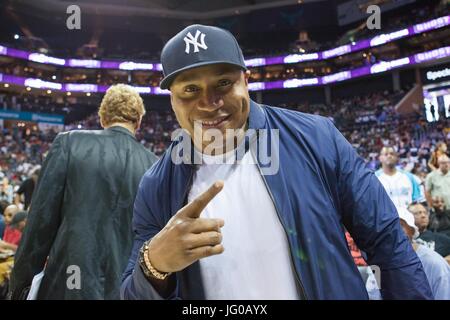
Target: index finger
[{"x": 195, "y": 208}]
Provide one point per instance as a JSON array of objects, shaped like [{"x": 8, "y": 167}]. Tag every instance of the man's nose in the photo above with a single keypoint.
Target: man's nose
[{"x": 210, "y": 101}]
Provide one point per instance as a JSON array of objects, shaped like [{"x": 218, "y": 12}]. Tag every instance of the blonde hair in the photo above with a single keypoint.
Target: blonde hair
[{"x": 121, "y": 103}]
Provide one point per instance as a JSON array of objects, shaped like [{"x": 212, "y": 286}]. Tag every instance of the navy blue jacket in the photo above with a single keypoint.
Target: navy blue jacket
[{"x": 322, "y": 186}]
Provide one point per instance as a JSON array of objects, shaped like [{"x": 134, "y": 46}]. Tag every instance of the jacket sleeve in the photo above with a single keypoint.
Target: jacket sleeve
[
  {"x": 372, "y": 220},
  {"x": 146, "y": 225},
  {"x": 43, "y": 219}
]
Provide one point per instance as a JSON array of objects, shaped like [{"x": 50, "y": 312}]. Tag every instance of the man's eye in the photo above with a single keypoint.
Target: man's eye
[
  {"x": 224, "y": 82},
  {"x": 191, "y": 89}
]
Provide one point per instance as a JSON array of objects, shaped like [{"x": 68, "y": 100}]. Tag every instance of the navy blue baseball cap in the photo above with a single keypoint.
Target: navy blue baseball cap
[{"x": 196, "y": 46}]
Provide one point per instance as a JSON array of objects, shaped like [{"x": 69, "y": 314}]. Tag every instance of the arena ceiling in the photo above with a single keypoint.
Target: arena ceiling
[{"x": 181, "y": 9}]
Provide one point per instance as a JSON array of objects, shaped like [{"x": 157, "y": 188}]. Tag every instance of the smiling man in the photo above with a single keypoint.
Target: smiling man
[
  {"x": 201, "y": 114},
  {"x": 226, "y": 228}
]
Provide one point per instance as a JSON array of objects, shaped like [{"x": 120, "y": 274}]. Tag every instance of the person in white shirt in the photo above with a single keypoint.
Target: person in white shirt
[
  {"x": 400, "y": 185},
  {"x": 262, "y": 252}
]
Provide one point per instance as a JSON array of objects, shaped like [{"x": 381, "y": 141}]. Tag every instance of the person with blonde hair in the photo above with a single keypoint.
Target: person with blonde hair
[
  {"x": 441, "y": 149},
  {"x": 79, "y": 227}
]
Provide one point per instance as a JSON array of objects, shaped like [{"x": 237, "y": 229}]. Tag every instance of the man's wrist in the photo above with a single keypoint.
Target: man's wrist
[{"x": 146, "y": 266}]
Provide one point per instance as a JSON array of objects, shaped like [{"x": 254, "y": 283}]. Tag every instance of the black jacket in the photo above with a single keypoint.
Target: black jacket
[{"x": 80, "y": 216}]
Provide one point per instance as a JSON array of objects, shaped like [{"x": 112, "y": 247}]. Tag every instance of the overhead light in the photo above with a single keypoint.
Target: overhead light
[
  {"x": 16, "y": 36},
  {"x": 49, "y": 91},
  {"x": 28, "y": 89},
  {"x": 6, "y": 85},
  {"x": 353, "y": 43},
  {"x": 68, "y": 93},
  {"x": 53, "y": 77},
  {"x": 80, "y": 126},
  {"x": 88, "y": 94}
]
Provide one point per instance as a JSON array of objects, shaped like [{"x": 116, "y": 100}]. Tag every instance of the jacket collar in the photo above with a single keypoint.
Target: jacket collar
[
  {"x": 256, "y": 117},
  {"x": 122, "y": 130}
]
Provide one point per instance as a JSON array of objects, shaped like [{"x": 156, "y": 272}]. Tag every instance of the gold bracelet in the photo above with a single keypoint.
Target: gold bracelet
[{"x": 155, "y": 273}]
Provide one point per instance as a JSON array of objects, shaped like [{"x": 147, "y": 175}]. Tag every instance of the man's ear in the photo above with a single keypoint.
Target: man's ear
[
  {"x": 171, "y": 103},
  {"x": 247, "y": 76},
  {"x": 138, "y": 123}
]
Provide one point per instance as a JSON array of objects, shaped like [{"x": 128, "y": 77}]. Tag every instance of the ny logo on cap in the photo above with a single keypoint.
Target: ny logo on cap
[{"x": 189, "y": 39}]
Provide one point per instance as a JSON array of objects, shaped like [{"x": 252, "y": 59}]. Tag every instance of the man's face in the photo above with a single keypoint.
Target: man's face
[
  {"x": 8, "y": 217},
  {"x": 215, "y": 96},
  {"x": 444, "y": 164},
  {"x": 388, "y": 157},
  {"x": 421, "y": 216},
  {"x": 423, "y": 175},
  {"x": 9, "y": 213},
  {"x": 438, "y": 203}
]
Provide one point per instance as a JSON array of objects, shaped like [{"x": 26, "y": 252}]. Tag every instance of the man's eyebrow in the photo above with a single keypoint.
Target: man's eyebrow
[
  {"x": 227, "y": 71},
  {"x": 190, "y": 78}
]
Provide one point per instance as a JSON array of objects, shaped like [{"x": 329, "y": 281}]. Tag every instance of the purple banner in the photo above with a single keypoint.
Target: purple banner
[
  {"x": 110, "y": 65},
  {"x": 339, "y": 51},
  {"x": 431, "y": 55},
  {"x": 17, "y": 53},
  {"x": 389, "y": 37},
  {"x": 77, "y": 63},
  {"x": 431, "y": 25},
  {"x": 376, "y": 68}
]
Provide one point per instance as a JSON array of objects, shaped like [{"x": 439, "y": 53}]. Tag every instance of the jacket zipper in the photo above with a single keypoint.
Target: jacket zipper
[{"x": 297, "y": 276}]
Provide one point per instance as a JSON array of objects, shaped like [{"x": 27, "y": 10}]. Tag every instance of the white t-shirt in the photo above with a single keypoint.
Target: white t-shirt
[
  {"x": 256, "y": 263},
  {"x": 399, "y": 187}
]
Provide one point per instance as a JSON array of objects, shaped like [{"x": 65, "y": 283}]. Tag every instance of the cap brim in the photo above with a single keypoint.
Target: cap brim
[{"x": 167, "y": 81}]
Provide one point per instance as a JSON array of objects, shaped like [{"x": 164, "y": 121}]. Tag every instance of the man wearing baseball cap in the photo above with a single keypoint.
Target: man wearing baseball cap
[
  {"x": 227, "y": 228},
  {"x": 434, "y": 265}
]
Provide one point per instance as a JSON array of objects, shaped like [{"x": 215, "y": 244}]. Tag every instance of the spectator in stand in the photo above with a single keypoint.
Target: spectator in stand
[
  {"x": 26, "y": 189},
  {"x": 9, "y": 213},
  {"x": 400, "y": 185},
  {"x": 440, "y": 217},
  {"x": 6, "y": 190},
  {"x": 436, "y": 268},
  {"x": 13, "y": 232},
  {"x": 441, "y": 149},
  {"x": 8, "y": 246},
  {"x": 438, "y": 182},
  {"x": 3, "y": 205},
  {"x": 435, "y": 241}
]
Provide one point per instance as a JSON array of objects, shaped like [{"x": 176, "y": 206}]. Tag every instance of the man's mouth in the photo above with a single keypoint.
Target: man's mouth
[{"x": 214, "y": 123}]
